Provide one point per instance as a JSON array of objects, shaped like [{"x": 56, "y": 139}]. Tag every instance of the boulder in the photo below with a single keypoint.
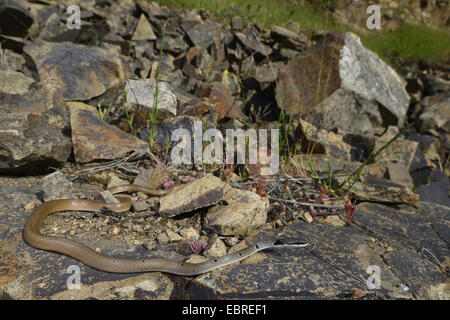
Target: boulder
[
  {"x": 32, "y": 132},
  {"x": 94, "y": 139},
  {"x": 340, "y": 61},
  {"x": 201, "y": 193},
  {"x": 75, "y": 71}
]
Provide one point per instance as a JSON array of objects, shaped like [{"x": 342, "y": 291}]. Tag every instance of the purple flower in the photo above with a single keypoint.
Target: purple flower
[{"x": 197, "y": 245}]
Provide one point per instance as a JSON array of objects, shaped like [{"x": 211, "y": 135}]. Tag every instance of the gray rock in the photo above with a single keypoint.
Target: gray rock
[
  {"x": 436, "y": 114},
  {"x": 201, "y": 193},
  {"x": 216, "y": 248},
  {"x": 142, "y": 93},
  {"x": 31, "y": 132},
  {"x": 56, "y": 186},
  {"x": 401, "y": 150},
  {"x": 437, "y": 190},
  {"x": 203, "y": 35},
  {"x": 14, "y": 82},
  {"x": 289, "y": 38},
  {"x": 93, "y": 139},
  {"x": 44, "y": 274},
  {"x": 236, "y": 23},
  {"x": 320, "y": 141},
  {"x": 243, "y": 212},
  {"x": 143, "y": 30},
  {"x": 173, "y": 43},
  {"x": 14, "y": 19},
  {"x": 399, "y": 174},
  {"x": 339, "y": 61},
  {"x": 363, "y": 72},
  {"x": 76, "y": 71},
  {"x": 381, "y": 190},
  {"x": 347, "y": 112},
  {"x": 252, "y": 42}
]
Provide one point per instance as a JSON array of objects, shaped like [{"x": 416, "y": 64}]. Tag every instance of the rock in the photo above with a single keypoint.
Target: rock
[
  {"x": 149, "y": 286},
  {"x": 31, "y": 132},
  {"x": 173, "y": 236},
  {"x": 189, "y": 233},
  {"x": 203, "y": 35},
  {"x": 334, "y": 221},
  {"x": 173, "y": 43},
  {"x": 220, "y": 97},
  {"x": 94, "y": 139},
  {"x": 399, "y": 174},
  {"x": 139, "y": 206},
  {"x": 437, "y": 191},
  {"x": 216, "y": 248},
  {"x": 243, "y": 212},
  {"x": 320, "y": 141},
  {"x": 44, "y": 274},
  {"x": 12, "y": 60},
  {"x": 56, "y": 186},
  {"x": 401, "y": 150},
  {"x": 14, "y": 19},
  {"x": 151, "y": 178},
  {"x": 397, "y": 233},
  {"x": 289, "y": 38},
  {"x": 142, "y": 93},
  {"x": 114, "y": 181},
  {"x": 436, "y": 113},
  {"x": 163, "y": 238},
  {"x": 203, "y": 192},
  {"x": 144, "y": 30},
  {"x": 236, "y": 23},
  {"x": 321, "y": 164},
  {"x": 343, "y": 63},
  {"x": 77, "y": 72},
  {"x": 14, "y": 82},
  {"x": 258, "y": 76},
  {"x": 165, "y": 129},
  {"x": 108, "y": 197},
  {"x": 381, "y": 190},
  {"x": 250, "y": 40},
  {"x": 254, "y": 258},
  {"x": 347, "y": 112}
]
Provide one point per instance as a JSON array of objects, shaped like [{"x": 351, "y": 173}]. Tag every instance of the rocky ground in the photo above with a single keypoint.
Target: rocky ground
[{"x": 77, "y": 116}]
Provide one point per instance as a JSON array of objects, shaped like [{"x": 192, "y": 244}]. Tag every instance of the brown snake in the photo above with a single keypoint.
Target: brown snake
[{"x": 92, "y": 258}]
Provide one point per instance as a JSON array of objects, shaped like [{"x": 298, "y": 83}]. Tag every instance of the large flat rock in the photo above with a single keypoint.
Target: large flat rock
[{"x": 76, "y": 71}]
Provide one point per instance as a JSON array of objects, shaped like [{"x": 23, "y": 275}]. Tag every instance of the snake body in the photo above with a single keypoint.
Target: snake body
[{"x": 92, "y": 258}]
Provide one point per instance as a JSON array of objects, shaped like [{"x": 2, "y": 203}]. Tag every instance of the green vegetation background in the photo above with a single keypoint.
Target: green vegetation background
[{"x": 410, "y": 42}]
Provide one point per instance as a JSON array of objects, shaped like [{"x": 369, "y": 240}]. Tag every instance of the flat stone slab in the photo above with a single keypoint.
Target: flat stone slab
[
  {"x": 201, "y": 193},
  {"x": 76, "y": 71},
  {"x": 94, "y": 139},
  {"x": 391, "y": 239}
]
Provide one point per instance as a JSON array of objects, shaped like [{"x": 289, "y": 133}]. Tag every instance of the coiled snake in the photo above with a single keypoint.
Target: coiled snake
[{"x": 33, "y": 236}]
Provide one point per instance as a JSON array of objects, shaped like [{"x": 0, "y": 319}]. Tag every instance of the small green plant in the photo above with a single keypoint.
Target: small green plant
[
  {"x": 130, "y": 117},
  {"x": 103, "y": 112}
]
